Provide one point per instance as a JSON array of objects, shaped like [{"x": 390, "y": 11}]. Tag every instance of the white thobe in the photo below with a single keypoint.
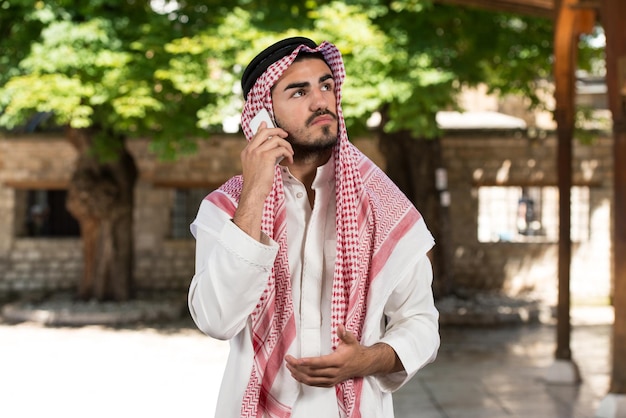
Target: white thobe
[
  {"x": 311, "y": 247},
  {"x": 231, "y": 274}
]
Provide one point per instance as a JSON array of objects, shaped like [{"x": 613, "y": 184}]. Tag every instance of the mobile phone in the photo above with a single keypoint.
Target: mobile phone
[{"x": 262, "y": 116}]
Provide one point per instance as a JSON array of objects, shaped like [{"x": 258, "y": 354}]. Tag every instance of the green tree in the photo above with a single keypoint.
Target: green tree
[
  {"x": 91, "y": 68},
  {"x": 169, "y": 70},
  {"x": 405, "y": 61}
]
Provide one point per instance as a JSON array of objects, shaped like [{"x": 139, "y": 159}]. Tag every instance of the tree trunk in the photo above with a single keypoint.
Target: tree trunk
[
  {"x": 412, "y": 164},
  {"x": 100, "y": 197}
]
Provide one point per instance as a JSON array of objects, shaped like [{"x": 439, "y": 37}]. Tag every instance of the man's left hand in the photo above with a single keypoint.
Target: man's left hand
[{"x": 349, "y": 360}]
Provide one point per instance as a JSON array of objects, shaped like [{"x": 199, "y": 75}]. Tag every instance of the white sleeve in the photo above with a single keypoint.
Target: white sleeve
[
  {"x": 231, "y": 273},
  {"x": 412, "y": 322}
]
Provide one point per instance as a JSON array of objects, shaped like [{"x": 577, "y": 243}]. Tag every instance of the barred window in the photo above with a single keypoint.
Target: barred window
[
  {"x": 42, "y": 213},
  {"x": 529, "y": 214},
  {"x": 184, "y": 209}
]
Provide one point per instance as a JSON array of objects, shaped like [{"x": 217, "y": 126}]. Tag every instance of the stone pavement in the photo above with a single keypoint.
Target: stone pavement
[
  {"x": 498, "y": 372},
  {"x": 174, "y": 371}
]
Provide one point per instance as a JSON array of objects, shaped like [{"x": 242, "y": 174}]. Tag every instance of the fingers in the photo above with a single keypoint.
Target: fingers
[
  {"x": 313, "y": 373},
  {"x": 270, "y": 144},
  {"x": 327, "y": 362},
  {"x": 328, "y": 370},
  {"x": 258, "y": 164}
]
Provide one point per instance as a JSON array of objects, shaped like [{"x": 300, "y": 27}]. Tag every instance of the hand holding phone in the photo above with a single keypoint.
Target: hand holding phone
[{"x": 262, "y": 116}]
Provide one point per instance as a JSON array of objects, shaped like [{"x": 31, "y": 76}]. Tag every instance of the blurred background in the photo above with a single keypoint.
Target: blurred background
[{"x": 117, "y": 118}]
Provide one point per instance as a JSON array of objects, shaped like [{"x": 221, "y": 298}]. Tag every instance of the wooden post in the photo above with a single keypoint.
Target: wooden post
[
  {"x": 570, "y": 22},
  {"x": 613, "y": 16}
]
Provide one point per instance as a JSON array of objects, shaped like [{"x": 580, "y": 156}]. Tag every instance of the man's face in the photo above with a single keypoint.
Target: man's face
[{"x": 305, "y": 106}]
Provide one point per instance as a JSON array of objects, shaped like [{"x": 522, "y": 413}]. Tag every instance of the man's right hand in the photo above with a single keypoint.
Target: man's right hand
[{"x": 258, "y": 161}]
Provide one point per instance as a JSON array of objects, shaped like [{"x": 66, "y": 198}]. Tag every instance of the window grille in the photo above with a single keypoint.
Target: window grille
[
  {"x": 42, "y": 213},
  {"x": 184, "y": 209},
  {"x": 529, "y": 214}
]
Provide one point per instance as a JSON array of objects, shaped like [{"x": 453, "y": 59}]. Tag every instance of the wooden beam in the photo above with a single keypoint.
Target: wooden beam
[
  {"x": 37, "y": 184},
  {"x": 587, "y": 4},
  {"x": 538, "y": 8},
  {"x": 184, "y": 184},
  {"x": 533, "y": 183}
]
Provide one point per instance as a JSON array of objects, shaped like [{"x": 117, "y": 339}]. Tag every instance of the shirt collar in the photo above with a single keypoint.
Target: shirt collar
[{"x": 325, "y": 174}]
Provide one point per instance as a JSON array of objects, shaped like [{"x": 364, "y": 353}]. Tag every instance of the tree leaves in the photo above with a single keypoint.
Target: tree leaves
[{"x": 174, "y": 71}]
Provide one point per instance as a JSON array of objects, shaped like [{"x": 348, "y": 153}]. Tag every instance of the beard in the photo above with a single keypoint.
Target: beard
[
  {"x": 307, "y": 147},
  {"x": 310, "y": 150}
]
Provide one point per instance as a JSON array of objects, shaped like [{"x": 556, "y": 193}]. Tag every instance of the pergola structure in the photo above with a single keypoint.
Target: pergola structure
[{"x": 571, "y": 19}]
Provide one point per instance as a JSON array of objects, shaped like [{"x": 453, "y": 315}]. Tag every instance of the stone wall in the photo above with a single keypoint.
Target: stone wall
[
  {"x": 33, "y": 264},
  {"x": 473, "y": 159},
  {"x": 41, "y": 265},
  {"x": 30, "y": 161}
]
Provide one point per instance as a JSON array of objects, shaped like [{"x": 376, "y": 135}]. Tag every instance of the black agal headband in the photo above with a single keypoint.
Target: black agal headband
[{"x": 269, "y": 56}]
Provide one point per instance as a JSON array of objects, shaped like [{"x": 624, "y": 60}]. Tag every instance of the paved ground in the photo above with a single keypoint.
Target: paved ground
[
  {"x": 498, "y": 372},
  {"x": 174, "y": 371}
]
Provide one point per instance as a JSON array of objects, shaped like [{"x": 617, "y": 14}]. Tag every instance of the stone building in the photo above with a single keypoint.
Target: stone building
[{"x": 503, "y": 207}]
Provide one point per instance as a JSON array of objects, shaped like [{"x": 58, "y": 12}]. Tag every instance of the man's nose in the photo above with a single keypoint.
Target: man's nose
[{"x": 319, "y": 101}]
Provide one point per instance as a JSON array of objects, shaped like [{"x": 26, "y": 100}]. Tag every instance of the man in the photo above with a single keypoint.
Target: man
[{"x": 315, "y": 269}]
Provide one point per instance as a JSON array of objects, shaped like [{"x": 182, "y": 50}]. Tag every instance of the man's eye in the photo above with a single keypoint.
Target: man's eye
[
  {"x": 327, "y": 87},
  {"x": 298, "y": 93}
]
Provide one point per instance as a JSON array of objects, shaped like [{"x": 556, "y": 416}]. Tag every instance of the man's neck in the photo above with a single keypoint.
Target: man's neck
[{"x": 305, "y": 170}]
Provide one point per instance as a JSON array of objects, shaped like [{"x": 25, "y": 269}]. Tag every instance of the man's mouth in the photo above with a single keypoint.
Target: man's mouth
[{"x": 321, "y": 118}]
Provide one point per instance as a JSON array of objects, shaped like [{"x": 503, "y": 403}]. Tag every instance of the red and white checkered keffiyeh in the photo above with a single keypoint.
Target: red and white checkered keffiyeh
[{"x": 372, "y": 215}]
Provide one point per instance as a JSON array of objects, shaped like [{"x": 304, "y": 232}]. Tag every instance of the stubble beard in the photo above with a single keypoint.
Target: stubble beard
[{"x": 311, "y": 149}]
